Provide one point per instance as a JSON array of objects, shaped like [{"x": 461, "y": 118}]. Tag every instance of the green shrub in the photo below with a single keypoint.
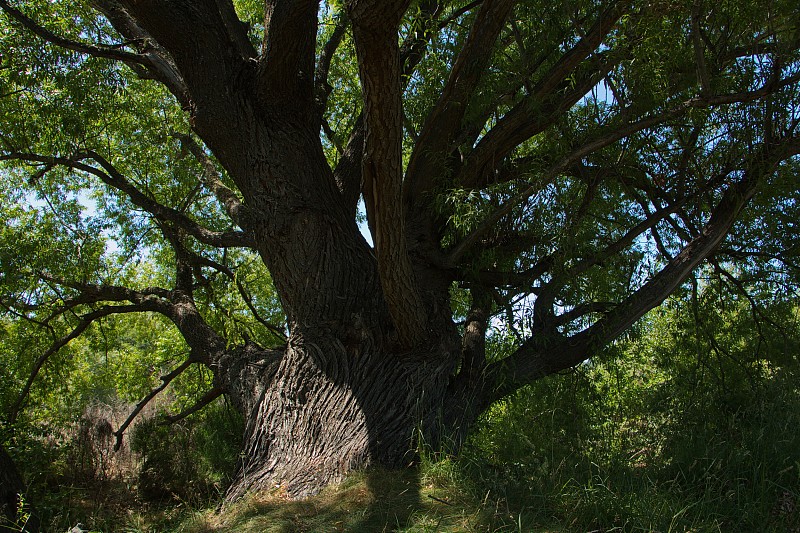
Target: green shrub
[{"x": 191, "y": 460}]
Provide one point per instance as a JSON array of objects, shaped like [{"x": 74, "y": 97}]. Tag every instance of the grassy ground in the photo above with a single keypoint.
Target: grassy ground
[
  {"x": 398, "y": 506},
  {"x": 449, "y": 496},
  {"x": 558, "y": 460},
  {"x": 371, "y": 501},
  {"x": 532, "y": 467}
]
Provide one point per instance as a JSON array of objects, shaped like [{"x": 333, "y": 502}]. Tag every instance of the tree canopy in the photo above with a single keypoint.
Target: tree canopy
[{"x": 542, "y": 173}]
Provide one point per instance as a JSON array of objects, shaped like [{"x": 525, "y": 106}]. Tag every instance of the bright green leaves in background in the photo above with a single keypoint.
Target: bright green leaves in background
[{"x": 66, "y": 224}]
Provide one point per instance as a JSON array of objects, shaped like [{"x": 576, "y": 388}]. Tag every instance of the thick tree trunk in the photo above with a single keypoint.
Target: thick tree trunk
[
  {"x": 347, "y": 391},
  {"x": 331, "y": 408}
]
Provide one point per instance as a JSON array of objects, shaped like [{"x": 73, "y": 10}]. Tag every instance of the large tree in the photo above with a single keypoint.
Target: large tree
[{"x": 554, "y": 170}]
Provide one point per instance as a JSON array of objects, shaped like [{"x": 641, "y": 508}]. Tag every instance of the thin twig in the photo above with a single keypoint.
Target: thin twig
[{"x": 165, "y": 380}]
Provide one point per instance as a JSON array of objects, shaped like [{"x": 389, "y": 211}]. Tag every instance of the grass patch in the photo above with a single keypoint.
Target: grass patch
[{"x": 375, "y": 500}]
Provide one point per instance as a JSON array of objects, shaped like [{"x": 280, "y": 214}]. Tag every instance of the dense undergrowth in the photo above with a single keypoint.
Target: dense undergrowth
[{"x": 690, "y": 424}]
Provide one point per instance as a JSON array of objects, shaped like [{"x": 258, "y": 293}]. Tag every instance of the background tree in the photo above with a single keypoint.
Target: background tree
[{"x": 559, "y": 171}]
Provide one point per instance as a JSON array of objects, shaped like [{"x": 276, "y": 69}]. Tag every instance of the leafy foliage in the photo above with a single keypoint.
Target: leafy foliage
[{"x": 688, "y": 423}]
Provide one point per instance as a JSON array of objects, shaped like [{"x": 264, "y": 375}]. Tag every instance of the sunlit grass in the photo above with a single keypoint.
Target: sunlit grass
[{"x": 375, "y": 500}]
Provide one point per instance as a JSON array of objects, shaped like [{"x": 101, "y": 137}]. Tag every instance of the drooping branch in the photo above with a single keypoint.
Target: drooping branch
[
  {"x": 85, "y": 321},
  {"x": 699, "y": 54},
  {"x": 206, "y": 399},
  {"x": 114, "y": 52},
  {"x": 149, "y": 62},
  {"x": 112, "y": 177},
  {"x": 248, "y": 301},
  {"x": 755, "y": 309},
  {"x": 650, "y": 221},
  {"x": 547, "y": 291},
  {"x": 424, "y": 28},
  {"x": 227, "y": 197},
  {"x": 166, "y": 379}
]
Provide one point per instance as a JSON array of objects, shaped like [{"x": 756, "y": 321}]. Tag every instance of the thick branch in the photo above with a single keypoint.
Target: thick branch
[
  {"x": 531, "y": 116},
  {"x": 237, "y": 30},
  {"x": 429, "y": 159},
  {"x": 551, "y": 96},
  {"x": 374, "y": 33},
  {"x": 473, "y": 346},
  {"x": 207, "y": 345},
  {"x": 152, "y": 61},
  {"x": 161, "y": 66},
  {"x": 286, "y": 67},
  {"x": 497, "y": 278},
  {"x": 348, "y": 172},
  {"x": 182, "y": 28},
  {"x": 348, "y": 169}
]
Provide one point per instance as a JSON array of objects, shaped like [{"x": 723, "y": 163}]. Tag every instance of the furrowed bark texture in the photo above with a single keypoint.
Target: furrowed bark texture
[{"x": 332, "y": 408}]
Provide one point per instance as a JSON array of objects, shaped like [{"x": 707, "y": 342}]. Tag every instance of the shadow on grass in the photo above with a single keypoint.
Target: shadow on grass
[{"x": 375, "y": 500}]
